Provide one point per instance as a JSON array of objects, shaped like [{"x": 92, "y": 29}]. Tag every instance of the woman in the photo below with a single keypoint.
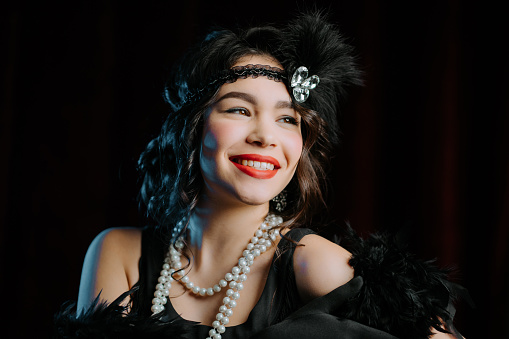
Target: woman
[{"x": 232, "y": 184}]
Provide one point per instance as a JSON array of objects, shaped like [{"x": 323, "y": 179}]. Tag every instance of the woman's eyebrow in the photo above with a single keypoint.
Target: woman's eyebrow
[
  {"x": 239, "y": 95},
  {"x": 252, "y": 99},
  {"x": 285, "y": 104}
]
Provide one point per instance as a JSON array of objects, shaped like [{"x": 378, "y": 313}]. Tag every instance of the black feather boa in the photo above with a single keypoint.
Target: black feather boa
[
  {"x": 401, "y": 294},
  {"x": 105, "y": 321}
]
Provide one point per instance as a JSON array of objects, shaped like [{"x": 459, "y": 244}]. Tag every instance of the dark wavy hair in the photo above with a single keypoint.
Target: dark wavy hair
[{"x": 169, "y": 167}]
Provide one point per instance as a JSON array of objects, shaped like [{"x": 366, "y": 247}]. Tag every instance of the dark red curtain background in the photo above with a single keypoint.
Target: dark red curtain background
[{"x": 425, "y": 140}]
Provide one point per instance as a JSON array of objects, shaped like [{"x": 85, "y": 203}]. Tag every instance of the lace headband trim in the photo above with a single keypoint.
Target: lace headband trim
[{"x": 231, "y": 75}]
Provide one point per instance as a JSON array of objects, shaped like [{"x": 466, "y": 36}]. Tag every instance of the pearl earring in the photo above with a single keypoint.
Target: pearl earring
[{"x": 280, "y": 201}]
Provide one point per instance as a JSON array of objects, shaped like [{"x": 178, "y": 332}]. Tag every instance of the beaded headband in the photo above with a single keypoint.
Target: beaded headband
[
  {"x": 231, "y": 75},
  {"x": 300, "y": 83}
]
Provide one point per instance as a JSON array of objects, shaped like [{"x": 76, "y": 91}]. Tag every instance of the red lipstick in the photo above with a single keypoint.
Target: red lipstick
[{"x": 253, "y": 172}]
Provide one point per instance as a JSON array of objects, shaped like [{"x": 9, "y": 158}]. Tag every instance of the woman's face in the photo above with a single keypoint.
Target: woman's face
[{"x": 251, "y": 141}]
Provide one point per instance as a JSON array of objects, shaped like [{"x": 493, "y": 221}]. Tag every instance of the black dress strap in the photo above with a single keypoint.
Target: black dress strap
[{"x": 285, "y": 298}]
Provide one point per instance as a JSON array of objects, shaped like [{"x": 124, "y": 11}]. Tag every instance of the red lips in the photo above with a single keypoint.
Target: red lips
[{"x": 253, "y": 172}]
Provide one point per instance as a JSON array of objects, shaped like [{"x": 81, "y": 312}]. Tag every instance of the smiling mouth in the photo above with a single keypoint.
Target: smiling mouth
[
  {"x": 259, "y": 165},
  {"x": 256, "y": 166}
]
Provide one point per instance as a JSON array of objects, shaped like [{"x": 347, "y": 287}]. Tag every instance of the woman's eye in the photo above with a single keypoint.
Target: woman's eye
[
  {"x": 238, "y": 110},
  {"x": 289, "y": 120}
]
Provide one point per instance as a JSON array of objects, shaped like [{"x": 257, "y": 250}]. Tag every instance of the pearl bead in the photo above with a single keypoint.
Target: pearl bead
[
  {"x": 216, "y": 336},
  {"x": 262, "y": 248},
  {"x": 232, "y": 304},
  {"x": 158, "y": 294},
  {"x": 222, "y": 283},
  {"x": 203, "y": 291},
  {"x": 157, "y": 308},
  {"x": 165, "y": 273},
  {"x": 235, "y": 270},
  {"x": 185, "y": 279},
  {"x": 228, "y": 313},
  {"x": 240, "y": 286},
  {"x": 212, "y": 332},
  {"x": 242, "y": 261},
  {"x": 233, "y": 284},
  {"x": 229, "y": 292},
  {"x": 228, "y": 277},
  {"x": 190, "y": 285},
  {"x": 221, "y": 329},
  {"x": 210, "y": 291},
  {"x": 242, "y": 277},
  {"x": 219, "y": 316},
  {"x": 225, "y": 320},
  {"x": 216, "y": 324},
  {"x": 162, "y": 279},
  {"x": 160, "y": 286},
  {"x": 258, "y": 233},
  {"x": 246, "y": 269},
  {"x": 254, "y": 240},
  {"x": 222, "y": 309},
  {"x": 235, "y": 295},
  {"x": 249, "y": 257},
  {"x": 250, "y": 246},
  {"x": 196, "y": 289},
  {"x": 216, "y": 288},
  {"x": 256, "y": 252},
  {"x": 226, "y": 300}
]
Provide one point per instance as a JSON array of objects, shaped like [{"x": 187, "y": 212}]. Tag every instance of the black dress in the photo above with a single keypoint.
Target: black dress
[
  {"x": 280, "y": 285},
  {"x": 393, "y": 295}
]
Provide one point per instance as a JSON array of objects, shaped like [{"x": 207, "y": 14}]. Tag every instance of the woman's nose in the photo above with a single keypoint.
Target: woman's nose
[{"x": 262, "y": 134}]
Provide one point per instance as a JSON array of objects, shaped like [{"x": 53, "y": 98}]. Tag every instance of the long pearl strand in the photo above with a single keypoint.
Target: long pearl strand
[{"x": 263, "y": 239}]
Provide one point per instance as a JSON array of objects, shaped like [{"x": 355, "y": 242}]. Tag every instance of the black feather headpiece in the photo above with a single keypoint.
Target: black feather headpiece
[{"x": 311, "y": 41}]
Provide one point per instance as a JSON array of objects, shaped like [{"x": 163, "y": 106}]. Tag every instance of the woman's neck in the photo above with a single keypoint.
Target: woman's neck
[{"x": 222, "y": 231}]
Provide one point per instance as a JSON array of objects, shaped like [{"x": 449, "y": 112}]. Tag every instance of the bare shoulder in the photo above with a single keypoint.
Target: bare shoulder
[
  {"x": 320, "y": 266},
  {"x": 111, "y": 265}
]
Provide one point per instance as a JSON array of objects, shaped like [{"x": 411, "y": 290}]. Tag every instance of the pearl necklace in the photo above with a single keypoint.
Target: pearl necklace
[{"x": 263, "y": 239}]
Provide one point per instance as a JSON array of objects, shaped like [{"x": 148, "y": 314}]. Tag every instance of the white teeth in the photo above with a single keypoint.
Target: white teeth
[{"x": 256, "y": 164}]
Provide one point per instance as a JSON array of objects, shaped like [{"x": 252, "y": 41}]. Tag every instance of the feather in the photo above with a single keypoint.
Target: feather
[
  {"x": 401, "y": 295},
  {"x": 105, "y": 321},
  {"x": 310, "y": 40}
]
